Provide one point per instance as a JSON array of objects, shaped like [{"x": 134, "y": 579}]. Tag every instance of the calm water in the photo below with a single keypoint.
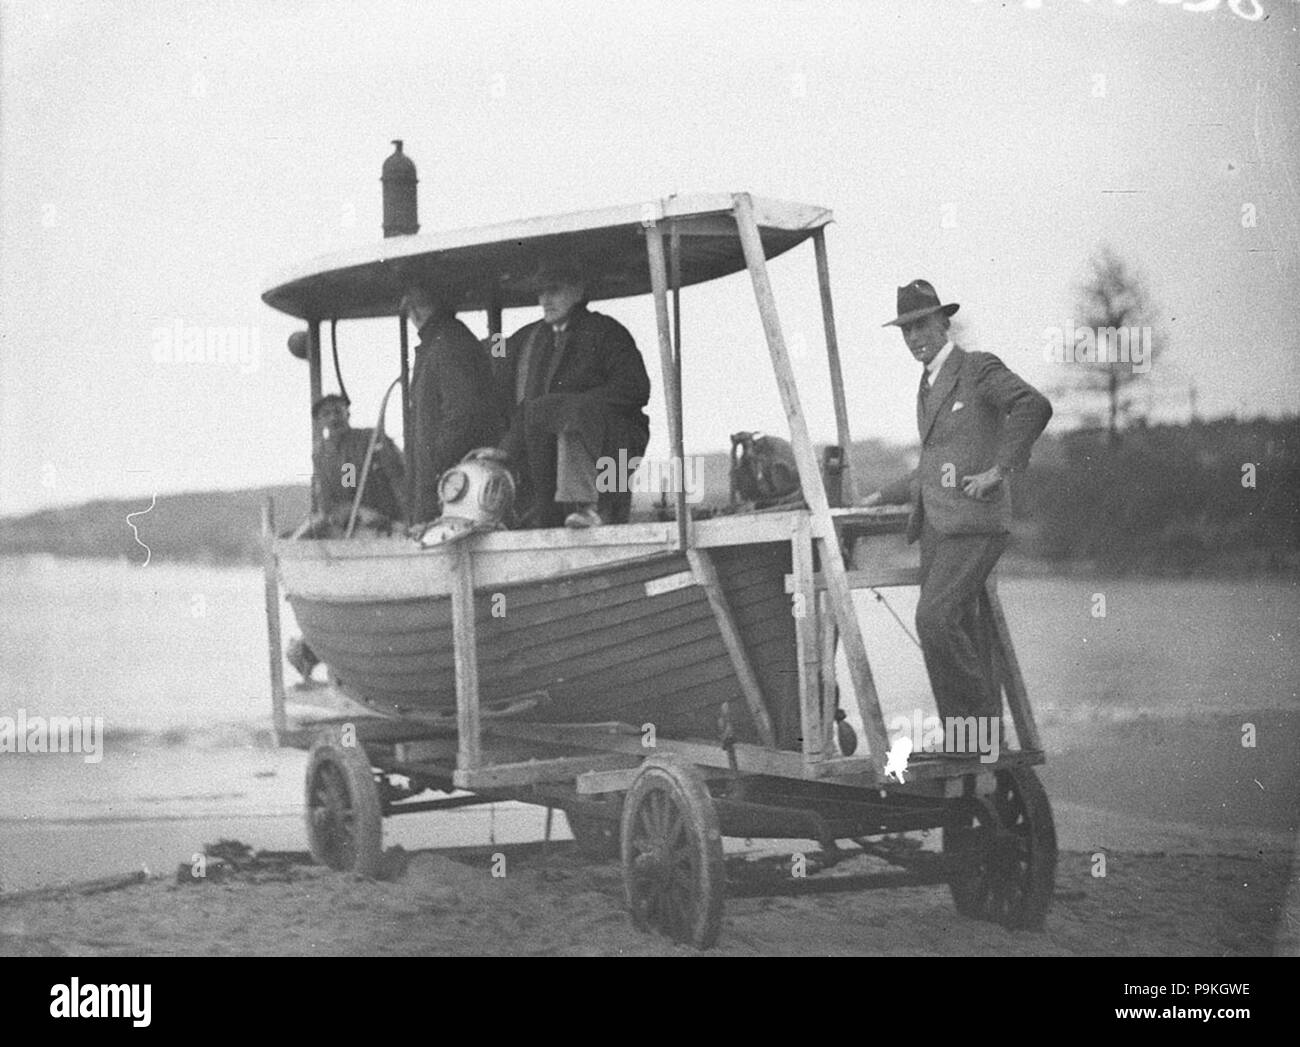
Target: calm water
[{"x": 179, "y": 652}]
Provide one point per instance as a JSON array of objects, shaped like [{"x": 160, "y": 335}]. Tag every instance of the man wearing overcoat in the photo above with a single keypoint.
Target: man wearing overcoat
[
  {"x": 453, "y": 394},
  {"x": 575, "y": 387}
]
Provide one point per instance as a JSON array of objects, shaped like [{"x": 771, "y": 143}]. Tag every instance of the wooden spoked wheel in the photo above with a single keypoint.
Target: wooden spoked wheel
[
  {"x": 673, "y": 871},
  {"x": 345, "y": 825},
  {"x": 1001, "y": 853}
]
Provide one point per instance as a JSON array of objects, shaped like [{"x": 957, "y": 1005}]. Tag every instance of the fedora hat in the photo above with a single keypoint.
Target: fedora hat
[
  {"x": 916, "y": 300},
  {"x": 558, "y": 270}
]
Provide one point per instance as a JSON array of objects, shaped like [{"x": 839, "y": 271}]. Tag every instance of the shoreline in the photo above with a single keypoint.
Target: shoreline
[{"x": 1280, "y": 566}]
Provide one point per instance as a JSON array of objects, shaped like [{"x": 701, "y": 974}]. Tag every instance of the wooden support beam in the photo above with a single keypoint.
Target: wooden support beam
[
  {"x": 279, "y": 719},
  {"x": 829, "y": 640},
  {"x": 465, "y": 638},
  {"x": 877, "y": 578},
  {"x": 533, "y": 772},
  {"x": 672, "y": 390},
  {"x": 408, "y": 419},
  {"x": 624, "y": 738},
  {"x": 860, "y": 770},
  {"x": 832, "y": 559},
  {"x": 833, "y": 359},
  {"x": 313, "y": 379},
  {"x": 807, "y": 653},
  {"x": 675, "y": 281},
  {"x": 1004, "y": 655},
  {"x": 596, "y": 783},
  {"x": 706, "y": 575}
]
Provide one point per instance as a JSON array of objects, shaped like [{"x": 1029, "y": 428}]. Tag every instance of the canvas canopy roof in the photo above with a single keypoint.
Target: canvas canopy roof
[{"x": 493, "y": 265}]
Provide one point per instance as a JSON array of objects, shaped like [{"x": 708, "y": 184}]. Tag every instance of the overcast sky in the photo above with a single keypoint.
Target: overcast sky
[{"x": 161, "y": 162}]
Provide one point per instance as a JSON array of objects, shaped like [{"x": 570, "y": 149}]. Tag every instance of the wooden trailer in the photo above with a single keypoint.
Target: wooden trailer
[{"x": 666, "y": 684}]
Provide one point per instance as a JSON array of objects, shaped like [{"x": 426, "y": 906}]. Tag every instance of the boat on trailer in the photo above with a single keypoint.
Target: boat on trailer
[{"x": 664, "y": 683}]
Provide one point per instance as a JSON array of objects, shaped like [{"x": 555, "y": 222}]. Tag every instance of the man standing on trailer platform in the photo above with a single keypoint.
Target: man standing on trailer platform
[
  {"x": 575, "y": 386},
  {"x": 977, "y": 423}
]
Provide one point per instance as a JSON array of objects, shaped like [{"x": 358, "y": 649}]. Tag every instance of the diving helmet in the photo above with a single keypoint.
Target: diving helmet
[{"x": 475, "y": 495}]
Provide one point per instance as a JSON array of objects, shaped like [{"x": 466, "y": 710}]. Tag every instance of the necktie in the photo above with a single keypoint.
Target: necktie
[{"x": 925, "y": 385}]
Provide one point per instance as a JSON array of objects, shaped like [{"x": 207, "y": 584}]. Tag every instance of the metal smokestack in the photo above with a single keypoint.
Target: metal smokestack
[{"x": 401, "y": 216}]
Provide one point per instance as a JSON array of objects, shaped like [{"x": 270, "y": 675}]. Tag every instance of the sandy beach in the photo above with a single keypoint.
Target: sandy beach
[
  {"x": 1183, "y": 877},
  {"x": 553, "y": 902}
]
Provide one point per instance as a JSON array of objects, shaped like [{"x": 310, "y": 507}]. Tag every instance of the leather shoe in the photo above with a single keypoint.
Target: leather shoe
[{"x": 583, "y": 517}]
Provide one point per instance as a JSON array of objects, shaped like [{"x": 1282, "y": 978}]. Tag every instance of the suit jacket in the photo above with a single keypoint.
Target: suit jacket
[
  {"x": 978, "y": 414},
  {"x": 454, "y": 405},
  {"x": 595, "y": 359}
]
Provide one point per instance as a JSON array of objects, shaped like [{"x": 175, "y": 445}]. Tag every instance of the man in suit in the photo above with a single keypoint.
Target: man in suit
[
  {"x": 977, "y": 422},
  {"x": 453, "y": 396},
  {"x": 574, "y": 387}
]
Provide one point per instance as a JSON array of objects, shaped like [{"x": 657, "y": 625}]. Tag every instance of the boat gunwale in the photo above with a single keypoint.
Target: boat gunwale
[{"x": 718, "y": 531}]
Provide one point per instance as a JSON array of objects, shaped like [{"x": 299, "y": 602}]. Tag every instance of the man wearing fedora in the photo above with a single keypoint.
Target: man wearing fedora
[
  {"x": 453, "y": 394},
  {"x": 574, "y": 387},
  {"x": 977, "y": 422}
]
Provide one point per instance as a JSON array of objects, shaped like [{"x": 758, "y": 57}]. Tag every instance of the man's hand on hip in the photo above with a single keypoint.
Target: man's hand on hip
[{"x": 982, "y": 486}]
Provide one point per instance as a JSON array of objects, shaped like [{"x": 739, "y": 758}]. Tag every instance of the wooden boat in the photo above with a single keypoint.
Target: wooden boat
[{"x": 573, "y": 626}]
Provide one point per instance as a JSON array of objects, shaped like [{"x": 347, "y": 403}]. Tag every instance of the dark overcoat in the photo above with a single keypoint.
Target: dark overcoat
[
  {"x": 593, "y": 375},
  {"x": 455, "y": 406}
]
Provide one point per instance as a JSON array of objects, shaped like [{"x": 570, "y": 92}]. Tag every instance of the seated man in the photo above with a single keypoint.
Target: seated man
[
  {"x": 453, "y": 398},
  {"x": 574, "y": 386},
  {"x": 339, "y": 459}
]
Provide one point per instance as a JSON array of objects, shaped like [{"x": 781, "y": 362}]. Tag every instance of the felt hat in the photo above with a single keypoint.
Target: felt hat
[{"x": 919, "y": 299}]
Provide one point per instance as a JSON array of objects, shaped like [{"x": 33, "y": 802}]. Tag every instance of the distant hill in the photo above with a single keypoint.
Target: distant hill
[
  {"x": 216, "y": 527},
  {"x": 1167, "y": 499},
  {"x": 223, "y": 527}
]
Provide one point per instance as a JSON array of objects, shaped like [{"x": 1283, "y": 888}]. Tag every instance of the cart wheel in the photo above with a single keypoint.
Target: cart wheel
[
  {"x": 596, "y": 837},
  {"x": 673, "y": 871},
  {"x": 1001, "y": 853},
  {"x": 345, "y": 826},
  {"x": 967, "y": 845}
]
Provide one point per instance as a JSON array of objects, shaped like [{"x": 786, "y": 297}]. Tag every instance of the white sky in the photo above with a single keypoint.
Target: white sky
[{"x": 161, "y": 162}]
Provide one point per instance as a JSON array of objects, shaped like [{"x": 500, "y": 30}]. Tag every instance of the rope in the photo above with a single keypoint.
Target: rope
[
  {"x": 370, "y": 454},
  {"x": 901, "y": 624}
]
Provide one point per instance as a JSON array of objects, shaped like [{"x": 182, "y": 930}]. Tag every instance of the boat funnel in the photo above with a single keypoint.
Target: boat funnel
[{"x": 401, "y": 216}]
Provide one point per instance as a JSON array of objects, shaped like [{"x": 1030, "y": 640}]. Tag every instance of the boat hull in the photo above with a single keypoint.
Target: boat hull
[{"x": 629, "y": 636}]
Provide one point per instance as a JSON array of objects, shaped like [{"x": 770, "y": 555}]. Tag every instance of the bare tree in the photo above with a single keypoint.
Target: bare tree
[{"x": 1117, "y": 336}]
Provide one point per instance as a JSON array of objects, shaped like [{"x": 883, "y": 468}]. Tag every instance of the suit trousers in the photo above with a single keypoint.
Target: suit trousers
[
  {"x": 563, "y": 437},
  {"x": 954, "y": 621}
]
